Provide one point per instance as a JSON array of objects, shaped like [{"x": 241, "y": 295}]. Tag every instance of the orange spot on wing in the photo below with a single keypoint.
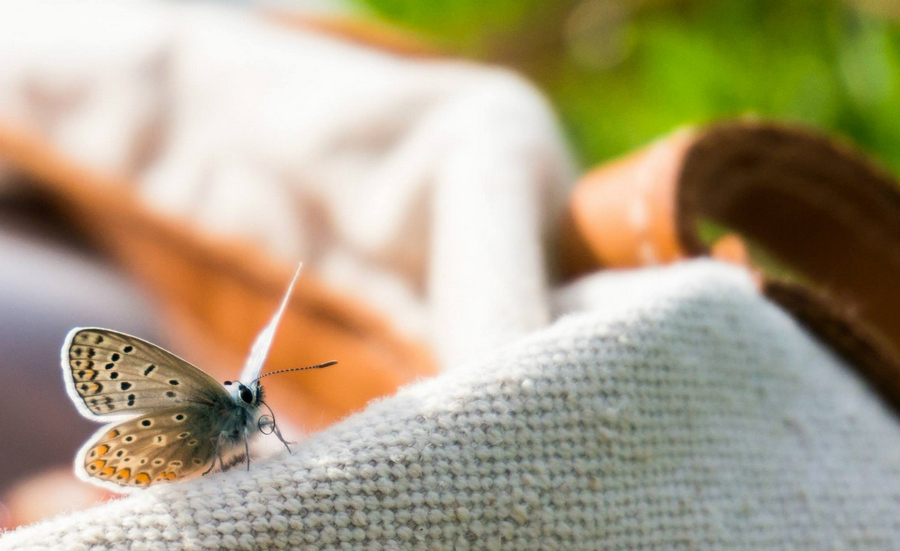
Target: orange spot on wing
[
  {"x": 109, "y": 471},
  {"x": 170, "y": 476},
  {"x": 142, "y": 478},
  {"x": 112, "y": 434},
  {"x": 96, "y": 465},
  {"x": 101, "y": 449},
  {"x": 92, "y": 388},
  {"x": 123, "y": 474}
]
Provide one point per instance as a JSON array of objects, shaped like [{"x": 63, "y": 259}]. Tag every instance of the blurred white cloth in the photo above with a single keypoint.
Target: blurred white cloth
[
  {"x": 425, "y": 187},
  {"x": 679, "y": 409}
]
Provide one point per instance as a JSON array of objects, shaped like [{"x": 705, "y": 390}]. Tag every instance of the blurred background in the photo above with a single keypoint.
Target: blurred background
[
  {"x": 623, "y": 72},
  {"x": 619, "y": 74}
]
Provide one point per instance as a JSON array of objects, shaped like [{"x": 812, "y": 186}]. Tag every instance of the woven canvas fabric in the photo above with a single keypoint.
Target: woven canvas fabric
[{"x": 670, "y": 408}]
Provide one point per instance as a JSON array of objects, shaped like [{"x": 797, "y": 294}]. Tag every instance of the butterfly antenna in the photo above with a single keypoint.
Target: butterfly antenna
[{"x": 317, "y": 366}]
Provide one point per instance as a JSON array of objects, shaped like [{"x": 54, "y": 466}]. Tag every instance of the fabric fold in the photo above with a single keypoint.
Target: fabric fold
[{"x": 692, "y": 413}]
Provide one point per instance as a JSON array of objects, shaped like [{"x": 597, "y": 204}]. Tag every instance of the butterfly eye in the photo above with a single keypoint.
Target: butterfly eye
[{"x": 246, "y": 395}]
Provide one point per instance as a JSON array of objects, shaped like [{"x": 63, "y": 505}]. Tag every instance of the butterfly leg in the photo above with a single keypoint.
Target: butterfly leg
[
  {"x": 247, "y": 448},
  {"x": 267, "y": 425},
  {"x": 283, "y": 441},
  {"x": 216, "y": 454}
]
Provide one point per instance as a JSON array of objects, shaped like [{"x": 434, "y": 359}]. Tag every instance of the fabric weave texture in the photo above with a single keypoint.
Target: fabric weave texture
[{"x": 677, "y": 409}]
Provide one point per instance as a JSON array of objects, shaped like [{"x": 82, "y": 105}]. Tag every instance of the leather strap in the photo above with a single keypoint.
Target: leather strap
[{"x": 811, "y": 204}]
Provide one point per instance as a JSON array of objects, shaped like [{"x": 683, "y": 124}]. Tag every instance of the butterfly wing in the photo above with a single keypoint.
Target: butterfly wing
[
  {"x": 163, "y": 446},
  {"x": 263, "y": 342},
  {"x": 110, "y": 374}
]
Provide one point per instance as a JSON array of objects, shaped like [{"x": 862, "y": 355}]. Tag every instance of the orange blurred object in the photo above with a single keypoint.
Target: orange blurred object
[
  {"x": 46, "y": 495},
  {"x": 821, "y": 216}
]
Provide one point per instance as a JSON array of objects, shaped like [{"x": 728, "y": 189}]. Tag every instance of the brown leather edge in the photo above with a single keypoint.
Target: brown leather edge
[
  {"x": 841, "y": 328},
  {"x": 815, "y": 205},
  {"x": 812, "y": 203}
]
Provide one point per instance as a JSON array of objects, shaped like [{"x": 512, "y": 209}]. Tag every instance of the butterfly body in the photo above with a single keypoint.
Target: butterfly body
[
  {"x": 168, "y": 419},
  {"x": 240, "y": 422}
]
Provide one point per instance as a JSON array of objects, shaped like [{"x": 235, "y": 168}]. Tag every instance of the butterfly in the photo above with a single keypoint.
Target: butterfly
[{"x": 168, "y": 420}]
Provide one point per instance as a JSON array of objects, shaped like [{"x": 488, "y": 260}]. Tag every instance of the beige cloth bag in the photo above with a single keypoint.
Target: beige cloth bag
[
  {"x": 678, "y": 409},
  {"x": 660, "y": 408}
]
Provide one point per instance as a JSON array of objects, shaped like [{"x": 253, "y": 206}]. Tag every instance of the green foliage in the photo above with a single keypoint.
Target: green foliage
[
  {"x": 628, "y": 71},
  {"x": 463, "y": 25}
]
